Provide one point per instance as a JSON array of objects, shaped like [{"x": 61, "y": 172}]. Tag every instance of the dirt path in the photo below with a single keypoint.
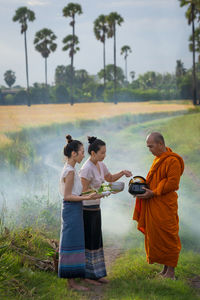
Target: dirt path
[{"x": 111, "y": 254}]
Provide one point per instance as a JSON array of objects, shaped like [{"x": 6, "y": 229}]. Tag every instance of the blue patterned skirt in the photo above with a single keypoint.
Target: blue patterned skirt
[
  {"x": 94, "y": 255},
  {"x": 72, "y": 245}
]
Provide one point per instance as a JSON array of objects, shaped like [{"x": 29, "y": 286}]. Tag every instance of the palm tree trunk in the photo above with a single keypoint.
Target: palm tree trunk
[
  {"x": 27, "y": 78},
  {"x": 46, "y": 71},
  {"x": 194, "y": 67},
  {"x": 72, "y": 64},
  {"x": 126, "y": 74},
  {"x": 72, "y": 81},
  {"x": 104, "y": 64},
  {"x": 115, "y": 73}
]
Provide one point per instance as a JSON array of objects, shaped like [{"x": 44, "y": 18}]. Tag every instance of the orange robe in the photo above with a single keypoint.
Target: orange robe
[{"x": 157, "y": 217}]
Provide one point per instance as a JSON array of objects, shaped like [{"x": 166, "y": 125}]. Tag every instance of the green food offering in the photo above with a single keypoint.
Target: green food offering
[
  {"x": 107, "y": 188},
  {"x": 104, "y": 188}
]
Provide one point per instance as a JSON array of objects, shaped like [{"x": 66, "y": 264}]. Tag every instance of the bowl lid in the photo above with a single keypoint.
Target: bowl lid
[{"x": 137, "y": 179}]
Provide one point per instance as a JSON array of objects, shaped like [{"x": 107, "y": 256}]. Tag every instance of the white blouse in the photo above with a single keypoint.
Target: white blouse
[
  {"x": 77, "y": 187},
  {"x": 90, "y": 172}
]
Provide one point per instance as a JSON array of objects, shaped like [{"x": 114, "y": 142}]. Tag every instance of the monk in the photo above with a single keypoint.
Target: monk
[{"x": 156, "y": 211}]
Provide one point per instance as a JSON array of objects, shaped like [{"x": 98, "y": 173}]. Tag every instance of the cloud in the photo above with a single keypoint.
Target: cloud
[
  {"x": 135, "y": 3},
  {"x": 25, "y": 2},
  {"x": 8, "y": 2},
  {"x": 37, "y": 2}
]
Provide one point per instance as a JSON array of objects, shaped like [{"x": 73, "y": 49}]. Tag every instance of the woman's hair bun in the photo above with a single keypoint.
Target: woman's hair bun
[
  {"x": 91, "y": 139},
  {"x": 69, "y": 138}
]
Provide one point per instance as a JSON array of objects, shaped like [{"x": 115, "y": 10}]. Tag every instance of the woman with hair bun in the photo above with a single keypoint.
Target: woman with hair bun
[
  {"x": 72, "y": 245},
  {"x": 93, "y": 173}
]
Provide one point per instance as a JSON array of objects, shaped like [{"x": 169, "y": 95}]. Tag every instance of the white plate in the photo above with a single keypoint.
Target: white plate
[{"x": 106, "y": 193}]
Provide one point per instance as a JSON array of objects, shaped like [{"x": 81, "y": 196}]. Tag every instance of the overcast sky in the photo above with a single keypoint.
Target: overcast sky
[{"x": 156, "y": 31}]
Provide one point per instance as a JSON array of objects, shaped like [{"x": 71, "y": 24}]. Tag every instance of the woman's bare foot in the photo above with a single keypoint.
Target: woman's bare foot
[
  {"x": 91, "y": 281},
  {"x": 75, "y": 286},
  {"x": 163, "y": 272},
  {"x": 103, "y": 280}
]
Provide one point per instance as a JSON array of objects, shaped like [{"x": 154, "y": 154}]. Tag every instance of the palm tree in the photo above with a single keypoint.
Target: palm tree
[
  {"x": 44, "y": 43},
  {"x": 23, "y": 15},
  {"x": 113, "y": 20},
  {"x": 100, "y": 31},
  {"x": 197, "y": 42},
  {"x": 71, "y": 43},
  {"x": 191, "y": 14},
  {"x": 71, "y": 40},
  {"x": 9, "y": 77},
  {"x": 125, "y": 50}
]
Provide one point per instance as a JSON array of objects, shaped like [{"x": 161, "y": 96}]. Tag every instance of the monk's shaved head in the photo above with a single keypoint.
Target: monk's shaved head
[{"x": 156, "y": 137}]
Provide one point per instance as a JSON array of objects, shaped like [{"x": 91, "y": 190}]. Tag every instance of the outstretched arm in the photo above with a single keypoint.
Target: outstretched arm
[{"x": 114, "y": 177}]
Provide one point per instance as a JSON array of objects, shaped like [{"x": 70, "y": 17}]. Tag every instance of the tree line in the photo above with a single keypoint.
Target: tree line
[
  {"x": 104, "y": 27},
  {"x": 193, "y": 17},
  {"x": 89, "y": 88},
  {"x": 77, "y": 85}
]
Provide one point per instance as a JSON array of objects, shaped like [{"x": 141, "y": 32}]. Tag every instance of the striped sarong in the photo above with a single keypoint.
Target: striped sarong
[
  {"x": 94, "y": 255},
  {"x": 72, "y": 245}
]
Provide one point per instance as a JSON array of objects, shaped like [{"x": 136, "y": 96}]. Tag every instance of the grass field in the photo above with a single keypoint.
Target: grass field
[
  {"x": 131, "y": 278},
  {"x": 14, "y": 118}
]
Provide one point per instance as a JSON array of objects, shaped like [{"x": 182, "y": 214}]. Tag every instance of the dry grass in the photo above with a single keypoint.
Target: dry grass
[
  {"x": 4, "y": 140},
  {"x": 14, "y": 118}
]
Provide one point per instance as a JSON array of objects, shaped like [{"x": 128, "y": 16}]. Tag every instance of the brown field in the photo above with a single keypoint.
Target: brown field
[{"x": 14, "y": 118}]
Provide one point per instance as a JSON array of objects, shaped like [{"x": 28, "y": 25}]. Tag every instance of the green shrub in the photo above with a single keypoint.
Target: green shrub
[
  {"x": 21, "y": 97},
  {"x": 61, "y": 94},
  {"x": 9, "y": 99}
]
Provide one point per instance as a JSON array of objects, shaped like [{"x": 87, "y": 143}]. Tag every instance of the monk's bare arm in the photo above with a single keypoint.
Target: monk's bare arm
[{"x": 171, "y": 183}]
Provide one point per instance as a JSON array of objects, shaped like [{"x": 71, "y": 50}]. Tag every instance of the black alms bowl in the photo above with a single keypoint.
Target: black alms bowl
[{"x": 136, "y": 185}]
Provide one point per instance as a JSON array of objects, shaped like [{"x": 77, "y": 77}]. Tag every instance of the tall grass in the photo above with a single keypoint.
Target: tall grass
[{"x": 20, "y": 279}]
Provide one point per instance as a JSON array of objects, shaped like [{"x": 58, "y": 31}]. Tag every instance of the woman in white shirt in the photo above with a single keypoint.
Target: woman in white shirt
[
  {"x": 72, "y": 244},
  {"x": 93, "y": 173}
]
